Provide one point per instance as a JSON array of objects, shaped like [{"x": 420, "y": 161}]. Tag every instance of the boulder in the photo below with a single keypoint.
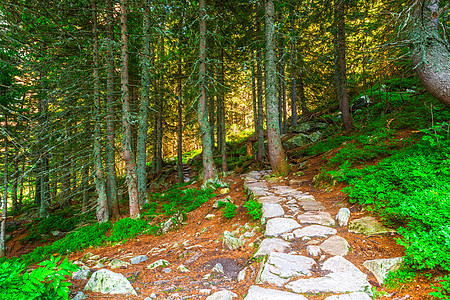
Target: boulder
[
  {"x": 368, "y": 226},
  {"x": 296, "y": 141},
  {"x": 381, "y": 267},
  {"x": 335, "y": 245},
  {"x": 79, "y": 296},
  {"x": 231, "y": 242},
  {"x": 342, "y": 216},
  {"x": 307, "y": 127},
  {"x": 107, "y": 282},
  {"x": 82, "y": 273}
]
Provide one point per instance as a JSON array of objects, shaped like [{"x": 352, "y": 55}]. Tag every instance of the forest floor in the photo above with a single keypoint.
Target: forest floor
[{"x": 198, "y": 246}]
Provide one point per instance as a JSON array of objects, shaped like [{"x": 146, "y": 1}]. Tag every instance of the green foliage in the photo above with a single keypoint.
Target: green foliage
[
  {"x": 253, "y": 209},
  {"x": 92, "y": 235},
  {"x": 442, "y": 289},
  {"x": 400, "y": 276},
  {"x": 45, "y": 282},
  {"x": 230, "y": 210},
  {"x": 127, "y": 228},
  {"x": 411, "y": 188}
]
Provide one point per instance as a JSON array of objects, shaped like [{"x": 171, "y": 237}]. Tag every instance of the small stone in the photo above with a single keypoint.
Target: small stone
[
  {"x": 86, "y": 257},
  {"x": 381, "y": 267},
  {"x": 103, "y": 260},
  {"x": 98, "y": 266},
  {"x": 231, "y": 242},
  {"x": 204, "y": 291},
  {"x": 313, "y": 250},
  {"x": 241, "y": 275},
  {"x": 79, "y": 296},
  {"x": 82, "y": 273},
  {"x": 158, "y": 264},
  {"x": 288, "y": 236},
  {"x": 335, "y": 245},
  {"x": 138, "y": 259},
  {"x": 206, "y": 276},
  {"x": 57, "y": 233},
  {"x": 224, "y": 201},
  {"x": 95, "y": 257},
  {"x": 117, "y": 263},
  {"x": 222, "y": 295},
  {"x": 183, "y": 269},
  {"x": 218, "y": 268},
  {"x": 224, "y": 191},
  {"x": 343, "y": 216},
  {"x": 167, "y": 270},
  {"x": 210, "y": 216}
]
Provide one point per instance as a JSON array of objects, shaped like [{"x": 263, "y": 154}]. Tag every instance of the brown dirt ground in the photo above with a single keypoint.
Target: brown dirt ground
[{"x": 202, "y": 249}]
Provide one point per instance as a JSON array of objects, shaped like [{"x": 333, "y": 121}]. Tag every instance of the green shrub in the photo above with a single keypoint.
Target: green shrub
[
  {"x": 442, "y": 288},
  {"x": 253, "y": 209},
  {"x": 230, "y": 210},
  {"x": 127, "y": 228},
  {"x": 45, "y": 282}
]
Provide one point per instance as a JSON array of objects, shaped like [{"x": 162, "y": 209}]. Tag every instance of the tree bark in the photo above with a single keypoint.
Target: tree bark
[
  {"x": 221, "y": 105},
  {"x": 102, "y": 200},
  {"x": 430, "y": 53},
  {"x": 159, "y": 112},
  {"x": 340, "y": 63},
  {"x": 144, "y": 110},
  {"x": 209, "y": 168},
  {"x": 259, "y": 87},
  {"x": 180, "y": 125},
  {"x": 4, "y": 202},
  {"x": 277, "y": 156},
  {"x": 111, "y": 174},
  {"x": 128, "y": 157}
]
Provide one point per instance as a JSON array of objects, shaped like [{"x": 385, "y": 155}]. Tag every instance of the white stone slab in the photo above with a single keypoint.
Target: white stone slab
[
  {"x": 335, "y": 245},
  {"x": 272, "y": 210},
  {"x": 320, "y": 218},
  {"x": 381, "y": 267},
  {"x": 314, "y": 231},
  {"x": 272, "y": 245},
  {"x": 339, "y": 264},
  {"x": 277, "y": 226},
  {"x": 351, "y": 296},
  {"x": 259, "y": 293}
]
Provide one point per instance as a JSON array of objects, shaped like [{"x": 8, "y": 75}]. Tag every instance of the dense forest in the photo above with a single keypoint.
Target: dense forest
[{"x": 102, "y": 102}]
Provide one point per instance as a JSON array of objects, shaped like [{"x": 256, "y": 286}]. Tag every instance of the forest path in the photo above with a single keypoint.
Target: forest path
[{"x": 303, "y": 248}]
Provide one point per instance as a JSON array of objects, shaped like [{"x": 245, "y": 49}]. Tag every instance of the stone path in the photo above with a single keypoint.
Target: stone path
[{"x": 302, "y": 253}]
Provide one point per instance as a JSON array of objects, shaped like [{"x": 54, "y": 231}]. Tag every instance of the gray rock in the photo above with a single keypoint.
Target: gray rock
[
  {"x": 342, "y": 216},
  {"x": 296, "y": 141},
  {"x": 277, "y": 226},
  {"x": 341, "y": 282},
  {"x": 272, "y": 245},
  {"x": 107, "y": 282},
  {"x": 183, "y": 269},
  {"x": 280, "y": 267},
  {"x": 218, "y": 268},
  {"x": 242, "y": 274},
  {"x": 270, "y": 199},
  {"x": 272, "y": 210},
  {"x": 338, "y": 264},
  {"x": 368, "y": 226},
  {"x": 86, "y": 257},
  {"x": 117, "y": 263},
  {"x": 98, "y": 265},
  {"x": 313, "y": 250},
  {"x": 160, "y": 263},
  {"x": 381, "y": 267},
  {"x": 171, "y": 223},
  {"x": 314, "y": 231},
  {"x": 307, "y": 127},
  {"x": 79, "y": 296},
  {"x": 258, "y": 293},
  {"x": 138, "y": 259},
  {"x": 166, "y": 270},
  {"x": 321, "y": 218},
  {"x": 222, "y": 295},
  {"x": 82, "y": 273},
  {"x": 103, "y": 260},
  {"x": 351, "y": 296},
  {"x": 210, "y": 216},
  {"x": 312, "y": 206},
  {"x": 315, "y": 136},
  {"x": 57, "y": 233},
  {"x": 335, "y": 245},
  {"x": 224, "y": 201},
  {"x": 231, "y": 242},
  {"x": 283, "y": 190}
]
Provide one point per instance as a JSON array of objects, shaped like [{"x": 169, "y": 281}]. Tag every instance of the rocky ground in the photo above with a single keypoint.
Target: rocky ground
[{"x": 312, "y": 245}]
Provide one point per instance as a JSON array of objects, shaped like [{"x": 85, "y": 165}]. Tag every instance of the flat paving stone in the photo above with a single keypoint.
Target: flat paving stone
[
  {"x": 337, "y": 264},
  {"x": 270, "y": 199},
  {"x": 257, "y": 184},
  {"x": 272, "y": 245},
  {"x": 335, "y": 245},
  {"x": 282, "y": 189},
  {"x": 259, "y": 192},
  {"x": 314, "y": 231},
  {"x": 279, "y": 268},
  {"x": 351, "y": 296},
  {"x": 272, "y": 210},
  {"x": 340, "y": 282},
  {"x": 312, "y": 206},
  {"x": 320, "y": 218},
  {"x": 277, "y": 226},
  {"x": 258, "y": 293}
]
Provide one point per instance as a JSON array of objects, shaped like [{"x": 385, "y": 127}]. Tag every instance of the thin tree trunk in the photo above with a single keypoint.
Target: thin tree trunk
[
  {"x": 341, "y": 64},
  {"x": 84, "y": 187},
  {"x": 128, "y": 157},
  {"x": 159, "y": 114},
  {"x": 221, "y": 105},
  {"x": 144, "y": 108},
  {"x": 254, "y": 99},
  {"x": 180, "y": 125},
  {"x": 111, "y": 174},
  {"x": 277, "y": 157},
  {"x": 15, "y": 205},
  {"x": 210, "y": 172},
  {"x": 4, "y": 202},
  {"x": 259, "y": 74},
  {"x": 44, "y": 155},
  {"x": 102, "y": 200}
]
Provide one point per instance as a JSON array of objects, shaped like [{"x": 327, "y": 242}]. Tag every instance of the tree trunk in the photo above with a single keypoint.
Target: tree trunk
[
  {"x": 128, "y": 157},
  {"x": 4, "y": 203},
  {"x": 159, "y": 113},
  {"x": 430, "y": 53},
  {"x": 259, "y": 87},
  {"x": 254, "y": 99},
  {"x": 180, "y": 125},
  {"x": 143, "y": 114},
  {"x": 340, "y": 63},
  {"x": 277, "y": 157},
  {"x": 15, "y": 204},
  {"x": 202, "y": 112},
  {"x": 84, "y": 187},
  {"x": 44, "y": 155},
  {"x": 111, "y": 174},
  {"x": 221, "y": 105}
]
